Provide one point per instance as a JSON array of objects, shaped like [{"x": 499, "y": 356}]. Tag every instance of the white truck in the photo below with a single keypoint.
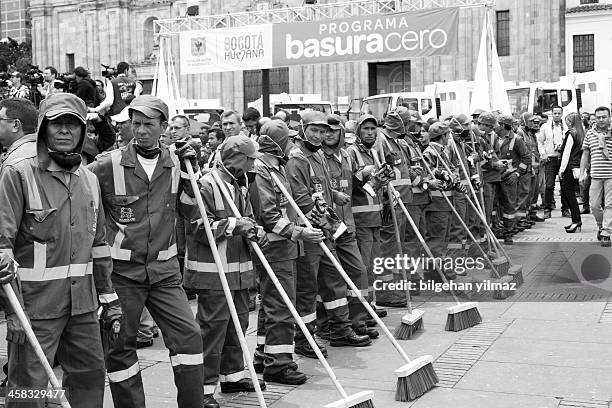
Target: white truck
[
  {"x": 540, "y": 97},
  {"x": 595, "y": 88},
  {"x": 380, "y": 105}
]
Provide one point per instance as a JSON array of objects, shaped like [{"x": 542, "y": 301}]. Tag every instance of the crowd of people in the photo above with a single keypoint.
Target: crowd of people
[{"x": 97, "y": 211}]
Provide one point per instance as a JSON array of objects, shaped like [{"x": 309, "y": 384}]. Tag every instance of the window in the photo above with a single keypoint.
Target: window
[
  {"x": 69, "y": 62},
  {"x": 584, "y": 53},
  {"x": 502, "y": 35},
  {"x": 589, "y": 1},
  {"x": 148, "y": 35},
  {"x": 425, "y": 106},
  {"x": 566, "y": 97}
]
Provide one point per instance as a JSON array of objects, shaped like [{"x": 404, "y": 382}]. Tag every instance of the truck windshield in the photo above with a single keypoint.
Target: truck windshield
[
  {"x": 519, "y": 100},
  {"x": 545, "y": 100},
  {"x": 376, "y": 107}
]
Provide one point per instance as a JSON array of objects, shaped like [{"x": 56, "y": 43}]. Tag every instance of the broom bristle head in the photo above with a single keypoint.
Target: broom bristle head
[
  {"x": 502, "y": 292},
  {"x": 516, "y": 271},
  {"x": 412, "y": 386},
  {"x": 502, "y": 265},
  {"x": 404, "y": 331},
  {"x": 362, "y": 399},
  {"x": 464, "y": 319}
]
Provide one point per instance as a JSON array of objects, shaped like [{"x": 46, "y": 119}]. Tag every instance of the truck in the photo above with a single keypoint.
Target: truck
[
  {"x": 540, "y": 97},
  {"x": 380, "y": 105},
  {"x": 595, "y": 88}
]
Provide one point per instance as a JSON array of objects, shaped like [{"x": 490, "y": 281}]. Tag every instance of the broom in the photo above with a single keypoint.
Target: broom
[
  {"x": 362, "y": 399},
  {"x": 25, "y": 323},
  {"x": 413, "y": 320},
  {"x": 226, "y": 290},
  {"x": 416, "y": 377}
]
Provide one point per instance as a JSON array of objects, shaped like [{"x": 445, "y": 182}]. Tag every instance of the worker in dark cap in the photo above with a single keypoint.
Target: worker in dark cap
[
  {"x": 517, "y": 158},
  {"x": 140, "y": 183}
]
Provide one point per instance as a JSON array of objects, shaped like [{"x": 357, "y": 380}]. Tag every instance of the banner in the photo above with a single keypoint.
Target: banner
[
  {"x": 396, "y": 36},
  {"x": 226, "y": 49}
]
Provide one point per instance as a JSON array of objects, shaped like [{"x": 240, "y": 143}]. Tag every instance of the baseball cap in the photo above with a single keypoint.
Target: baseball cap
[
  {"x": 505, "y": 119},
  {"x": 487, "y": 118},
  {"x": 150, "y": 106},
  {"x": 437, "y": 129},
  {"x": 335, "y": 122},
  {"x": 314, "y": 118},
  {"x": 56, "y": 105},
  {"x": 240, "y": 144},
  {"x": 460, "y": 121},
  {"x": 276, "y": 129},
  {"x": 122, "y": 116}
]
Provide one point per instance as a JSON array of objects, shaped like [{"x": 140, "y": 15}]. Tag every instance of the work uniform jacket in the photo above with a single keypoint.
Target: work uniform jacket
[
  {"x": 272, "y": 211},
  {"x": 395, "y": 150},
  {"x": 367, "y": 210},
  {"x": 490, "y": 143},
  {"x": 514, "y": 148},
  {"x": 200, "y": 268},
  {"x": 531, "y": 141},
  {"x": 140, "y": 214},
  {"x": 418, "y": 174},
  {"x": 51, "y": 224},
  {"x": 433, "y": 154},
  {"x": 22, "y": 148}
]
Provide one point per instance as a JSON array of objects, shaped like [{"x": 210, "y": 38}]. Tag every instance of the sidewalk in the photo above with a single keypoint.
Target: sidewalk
[{"x": 549, "y": 345}]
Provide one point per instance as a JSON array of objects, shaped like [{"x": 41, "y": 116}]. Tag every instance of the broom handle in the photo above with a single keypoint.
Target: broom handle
[
  {"x": 463, "y": 225},
  {"x": 25, "y": 323},
  {"x": 480, "y": 191},
  {"x": 340, "y": 269},
  {"x": 282, "y": 292},
  {"x": 482, "y": 217},
  {"x": 224, "y": 284}
]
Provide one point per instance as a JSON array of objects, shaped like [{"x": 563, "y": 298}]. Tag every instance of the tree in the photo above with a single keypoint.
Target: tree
[{"x": 14, "y": 54}]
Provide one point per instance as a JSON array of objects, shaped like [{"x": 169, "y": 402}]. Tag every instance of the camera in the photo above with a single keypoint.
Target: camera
[
  {"x": 108, "y": 71},
  {"x": 33, "y": 75},
  {"x": 64, "y": 81}
]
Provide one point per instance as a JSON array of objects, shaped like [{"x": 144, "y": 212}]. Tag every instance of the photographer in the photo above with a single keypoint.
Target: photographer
[
  {"x": 119, "y": 91},
  {"x": 85, "y": 87},
  {"x": 18, "y": 89},
  {"x": 49, "y": 76}
]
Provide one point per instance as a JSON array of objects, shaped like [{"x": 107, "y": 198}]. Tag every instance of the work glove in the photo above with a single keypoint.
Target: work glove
[
  {"x": 377, "y": 181},
  {"x": 512, "y": 178},
  {"x": 475, "y": 180},
  {"x": 8, "y": 268},
  {"x": 415, "y": 172},
  {"x": 185, "y": 151},
  {"x": 342, "y": 199},
  {"x": 260, "y": 237},
  {"x": 435, "y": 184},
  {"x": 111, "y": 318},
  {"x": 368, "y": 170},
  {"x": 15, "y": 332},
  {"x": 312, "y": 235},
  {"x": 245, "y": 226},
  {"x": 460, "y": 188}
]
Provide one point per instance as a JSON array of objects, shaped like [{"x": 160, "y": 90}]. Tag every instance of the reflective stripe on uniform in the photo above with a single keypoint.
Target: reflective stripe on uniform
[
  {"x": 122, "y": 375},
  {"x": 211, "y": 267},
  {"x": 279, "y": 349},
  {"x": 351, "y": 293},
  {"x": 232, "y": 377},
  {"x": 366, "y": 208},
  {"x": 168, "y": 253},
  {"x": 187, "y": 359},
  {"x": 400, "y": 182},
  {"x": 280, "y": 225},
  {"x": 107, "y": 297},
  {"x": 185, "y": 199},
  {"x": 210, "y": 389},
  {"x": 34, "y": 200},
  {"x": 58, "y": 272},
  {"x": 417, "y": 190},
  {"x": 309, "y": 318},
  {"x": 523, "y": 166},
  {"x": 438, "y": 193},
  {"x": 509, "y": 216},
  {"x": 454, "y": 246},
  {"x": 40, "y": 256},
  {"x": 334, "y": 304},
  {"x": 231, "y": 224},
  {"x": 217, "y": 196},
  {"x": 261, "y": 340},
  {"x": 118, "y": 173},
  {"x": 102, "y": 251},
  {"x": 116, "y": 251}
]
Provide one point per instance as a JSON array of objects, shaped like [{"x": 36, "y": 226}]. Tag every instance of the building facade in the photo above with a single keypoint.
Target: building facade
[
  {"x": 588, "y": 37},
  {"x": 14, "y": 20},
  {"x": 66, "y": 33}
]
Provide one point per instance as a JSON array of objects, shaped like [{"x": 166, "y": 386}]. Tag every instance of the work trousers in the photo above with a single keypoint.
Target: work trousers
[
  {"x": 389, "y": 249},
  {"x": 75, "y": 341},
  {"x": 223, "y": 358},
  {"x": 368, "y": 241},
  {"x": 601, "y": 190},
  {"x": 568, "y": 189},
  {"x": 491, "y": 197},
  {"x": 457, "y": 237},
  {"x": 437, "y": 240},
  {"x": 167, "y": 302},
  {"x": 534, "y": 191},
  {"x": 147, "y": 328},
  {"x": 508, "y": 200},
  {"x": 275, "y": 324},
  {"x": 523, "y": 194},
  {"x": 412, "y": 245},
  {"x": 317, "y": 274},
  {"x": 349, "y": 256}
]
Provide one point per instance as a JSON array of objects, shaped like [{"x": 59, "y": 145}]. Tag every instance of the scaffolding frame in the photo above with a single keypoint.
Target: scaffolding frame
[{"x": 300, "y": 14}]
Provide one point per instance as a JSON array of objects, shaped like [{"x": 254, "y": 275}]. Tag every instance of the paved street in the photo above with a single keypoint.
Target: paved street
[{"x": 549, "y": 345}]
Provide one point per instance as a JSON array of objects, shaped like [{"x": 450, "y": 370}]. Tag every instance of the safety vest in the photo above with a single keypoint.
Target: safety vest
[
  {"x": 57, "y": 242},
  {"x": 400, "y": 164},
  {"x": 433, "y": 157},
  {"x": 514, "y": 149},
  {"x": 140, "y": 214},
  {"x": 420, "y": 196},
  {"x": 341, "y": 179},
  {"x": 366, "y": 209},
  {"x": 200, "y": 268}
]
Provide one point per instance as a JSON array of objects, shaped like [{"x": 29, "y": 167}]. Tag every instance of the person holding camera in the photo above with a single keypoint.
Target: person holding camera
[
  {"x": 119, "y": 91},
  {"x": 47, "y": 88},
  {"x": 85, "y": 87},
  {"x": 18, "y": 89}
]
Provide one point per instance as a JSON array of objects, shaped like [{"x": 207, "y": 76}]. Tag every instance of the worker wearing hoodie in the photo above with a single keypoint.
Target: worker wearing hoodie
[
  {"x": 341, "y": 168},
  {"x": 53, "y": 226},
  {"x": 271, "y": 210},
  {"x": 310, "y": 184},
  {"x": 223, "y": 359}
]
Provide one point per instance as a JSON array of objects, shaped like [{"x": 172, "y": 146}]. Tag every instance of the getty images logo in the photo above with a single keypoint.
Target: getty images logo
[{"x": 359, "y": 43}]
